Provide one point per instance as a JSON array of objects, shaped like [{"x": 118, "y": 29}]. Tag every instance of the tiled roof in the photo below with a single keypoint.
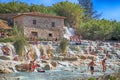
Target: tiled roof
[
  {"x": 4, "y": 25},
  {"x": 39, "y": 15}
]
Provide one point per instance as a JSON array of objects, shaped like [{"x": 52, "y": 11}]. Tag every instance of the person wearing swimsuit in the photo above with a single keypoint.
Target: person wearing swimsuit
[
  {"x": 104, "y": 64},
  {"x": 91, "y": 65}
]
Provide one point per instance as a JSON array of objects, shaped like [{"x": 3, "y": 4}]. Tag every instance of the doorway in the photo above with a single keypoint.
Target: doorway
[{"x": 34, "y": 35}]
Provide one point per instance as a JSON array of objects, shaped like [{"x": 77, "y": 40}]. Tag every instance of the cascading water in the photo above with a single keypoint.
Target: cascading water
[
  {"x": 37, "y": 52},
  {"x": 12, "y": 50},
  {"x": 68, "y": 32},
  {"x": 44, "y": 49},
  {"x": 65, "y": 69},
  {"x": 10, "y": 47},
  {"x": 26, "y": 50},
  {"x": 1, "y": 52}
]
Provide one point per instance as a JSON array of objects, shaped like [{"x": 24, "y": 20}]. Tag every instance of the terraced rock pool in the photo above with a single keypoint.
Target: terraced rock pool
[{"x": 51, "y": 75}]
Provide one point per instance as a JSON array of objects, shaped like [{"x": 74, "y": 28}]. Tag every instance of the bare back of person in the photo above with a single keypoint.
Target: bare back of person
[
  {"x": 91, "y": 64},
  {"x": 104, "y": 64}
]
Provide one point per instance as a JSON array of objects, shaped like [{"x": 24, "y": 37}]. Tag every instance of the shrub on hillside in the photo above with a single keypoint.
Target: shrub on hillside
[{"x": 6, "y": 40}]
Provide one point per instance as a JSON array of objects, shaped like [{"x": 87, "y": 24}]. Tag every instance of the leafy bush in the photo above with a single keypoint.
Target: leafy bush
[
  {"x": 63, "y": 45},
  {"x": 112, "y": 78},
  {"x": 20, "y": 41},
  {"x": 6, "y": 40},
  {"x": 19, "y": 46},
  {"x": 91, "y": 78}
]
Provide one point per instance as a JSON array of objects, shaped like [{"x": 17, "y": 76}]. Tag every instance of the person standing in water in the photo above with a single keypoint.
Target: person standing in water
[
  {"x": 104, "y": 64},
  {"x": 91, "y": 65}
]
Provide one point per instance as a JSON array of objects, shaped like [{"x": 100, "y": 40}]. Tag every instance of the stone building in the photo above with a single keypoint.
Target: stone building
[{"x": 40, "y": 25}]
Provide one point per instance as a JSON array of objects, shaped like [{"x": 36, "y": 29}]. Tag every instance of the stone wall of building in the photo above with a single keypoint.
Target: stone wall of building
[
  {"x": 43, "y": 26},
  {"x": 43, "y": 33},
  {"x": 43, "y": 22},
  {"x": 18, "y": 21}
]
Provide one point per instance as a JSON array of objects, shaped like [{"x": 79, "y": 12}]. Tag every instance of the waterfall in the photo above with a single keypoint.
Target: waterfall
[
  {"x": 68, "y": 32},
  {"x": 37, "y": 52},
  {"x": 44, "y": 49},
  {"x": 12, "y": 49},
  {"x": 1, "y": 52},
  {"x": 26, "y": 50},
  {"x": 13, "y": 67}
]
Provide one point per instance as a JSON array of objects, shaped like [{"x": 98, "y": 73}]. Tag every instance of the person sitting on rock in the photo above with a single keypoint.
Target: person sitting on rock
[
  {"x": 32, "y": 65},
  {"x": 91, "y": 65},
  {"x": 16, "y": 58},
  {"x": 6, "y": 50}
]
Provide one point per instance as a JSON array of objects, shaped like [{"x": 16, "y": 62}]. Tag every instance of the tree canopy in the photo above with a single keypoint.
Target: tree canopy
[
  {"x": 89, "y": 11},
  {"x": 99, "y": 29},
  {"x": 73, "y": 12}
]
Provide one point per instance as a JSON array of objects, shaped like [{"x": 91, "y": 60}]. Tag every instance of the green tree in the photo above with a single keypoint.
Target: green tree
[
  {"x": 96, "y": 29},
  {"x": 89, "y": 11},
  {"x": 73, "y": 12},
  {"x": 14, "y": 7},
  {"x": 23, "y": 7},
  {"x": 34, "y": 8},
  {"x": 116, "y": 31}
]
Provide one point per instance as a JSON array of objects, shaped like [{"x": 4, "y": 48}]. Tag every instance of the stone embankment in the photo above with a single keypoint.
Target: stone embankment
[{"x": 7, "y": 66}]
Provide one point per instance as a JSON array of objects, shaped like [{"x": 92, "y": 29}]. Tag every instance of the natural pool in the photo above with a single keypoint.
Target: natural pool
[
  {"x": 48, "y": 75},
  {"x": 52, "y": 75},
  {"x": 65, "y": 70}
]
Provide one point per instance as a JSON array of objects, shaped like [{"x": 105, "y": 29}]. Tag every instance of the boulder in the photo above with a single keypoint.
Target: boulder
[
  {"x": 54, "y": 64},
  {"x": 43, "y": 61},
  {"x": 22, "y": 67},
  {"x": 5, "y": 67},
  {"x": 8, "y": 70},
  {"x": 83, "y": 57},
  {"x": 5, "y": 57},
  {"x": 69, "y": 59},
  {"x": 48, "y": 67},
  {"x": 76, "y": 63},
  {"x": 92, "y": 57}
]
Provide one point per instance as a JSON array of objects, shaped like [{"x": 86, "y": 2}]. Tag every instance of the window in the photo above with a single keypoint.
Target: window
[
  {"x": 34, "y": 21},
  {"x": 53, "y": 24},
  {"x": 50, "y": 34}
]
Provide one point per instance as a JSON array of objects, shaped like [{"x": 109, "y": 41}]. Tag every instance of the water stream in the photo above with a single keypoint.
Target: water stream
[
  {"x": 37, "y": 52},
  {"x": 68, "y": 32},
  {"x": 65, "y": 70}
]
